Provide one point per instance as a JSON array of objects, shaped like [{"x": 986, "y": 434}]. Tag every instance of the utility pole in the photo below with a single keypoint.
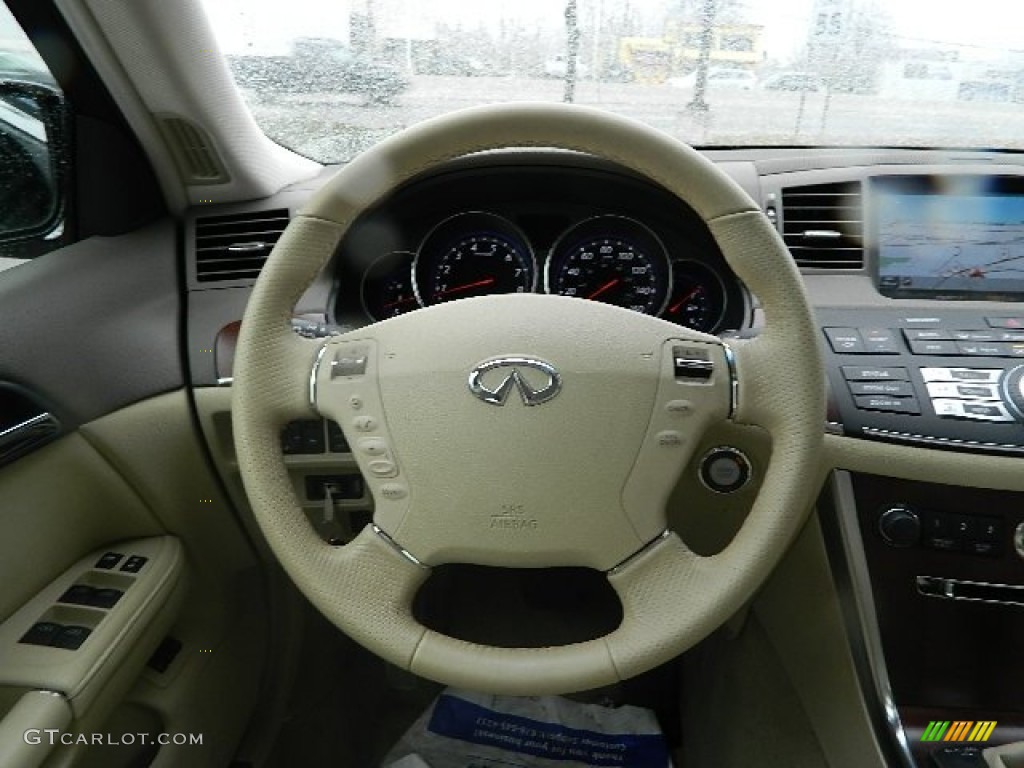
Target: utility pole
[
  {"x": 707, "y": 14},
  {"x": 572, "y": 28}
]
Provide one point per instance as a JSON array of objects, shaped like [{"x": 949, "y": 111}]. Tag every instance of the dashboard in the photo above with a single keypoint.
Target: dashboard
[{"x": 911, "y": 261}]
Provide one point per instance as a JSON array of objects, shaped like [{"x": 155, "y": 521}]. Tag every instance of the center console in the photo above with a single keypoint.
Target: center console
[{"x": 947, "y": 378}]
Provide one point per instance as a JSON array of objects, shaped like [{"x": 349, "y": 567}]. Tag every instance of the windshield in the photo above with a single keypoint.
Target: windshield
[{"x": 329, "y": 79}]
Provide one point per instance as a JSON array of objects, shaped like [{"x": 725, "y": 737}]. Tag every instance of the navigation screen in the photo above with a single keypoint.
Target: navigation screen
[{"x": 962, "y": 245}]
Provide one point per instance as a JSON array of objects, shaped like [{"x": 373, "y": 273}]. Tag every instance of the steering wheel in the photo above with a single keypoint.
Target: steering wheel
[{"x": 529, "y": 430}]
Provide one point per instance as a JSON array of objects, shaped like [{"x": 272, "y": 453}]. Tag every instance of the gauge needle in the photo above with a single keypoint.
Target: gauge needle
[
  {"x": 675, "y": 307},
  {"x": 399, "y": 302},
  {"x": 468, "y": 286},
  {"x": 610, "y": 284}
]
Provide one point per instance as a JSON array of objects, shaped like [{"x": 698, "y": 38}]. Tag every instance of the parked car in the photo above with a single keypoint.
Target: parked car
[
  {"x": 319, "y": 65},
  {"x": 719, "y": 80},
  {"x": 794, "y": 81},
  {"x": 557, "y": 66}
]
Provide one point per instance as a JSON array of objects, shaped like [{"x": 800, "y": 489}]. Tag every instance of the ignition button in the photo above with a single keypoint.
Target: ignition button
[{"x": 725, "y": 469}]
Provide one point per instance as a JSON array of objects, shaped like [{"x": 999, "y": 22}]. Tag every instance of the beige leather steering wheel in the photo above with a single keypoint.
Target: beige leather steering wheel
[{"x": 463, "y": 467}]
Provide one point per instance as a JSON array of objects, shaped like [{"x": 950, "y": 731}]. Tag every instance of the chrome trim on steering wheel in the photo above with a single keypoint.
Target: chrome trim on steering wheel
[
  {"x": 399, "y": 548},
  {"x": 734, "y": 382},
  {"x": 313, "y": 375}
]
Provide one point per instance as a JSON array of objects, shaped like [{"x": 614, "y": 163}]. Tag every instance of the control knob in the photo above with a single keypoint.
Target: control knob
[
  {"x": 900, "y": 526},
  {"x": 1014, "y": 391}
]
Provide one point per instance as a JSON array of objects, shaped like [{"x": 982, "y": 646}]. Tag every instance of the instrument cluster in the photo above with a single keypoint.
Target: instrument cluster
[
  {"x": 610, "y": 258},
  {"x": 583, "y": 232}
]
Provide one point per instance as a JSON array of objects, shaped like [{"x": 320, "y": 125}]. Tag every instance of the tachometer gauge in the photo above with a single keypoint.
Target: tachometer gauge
[
  {"x": 473, "y": 254},
  {"x": 698, "y": 296},
  {"x": 611, "y": 259},
  {"x": 387, "y": 286}
]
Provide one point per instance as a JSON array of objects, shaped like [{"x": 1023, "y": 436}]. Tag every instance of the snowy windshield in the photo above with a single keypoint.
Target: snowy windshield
[{"x": 329, "y": 79}]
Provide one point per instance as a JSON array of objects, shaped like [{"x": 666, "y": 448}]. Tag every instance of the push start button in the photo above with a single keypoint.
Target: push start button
[{"x": 725, "y": 469}]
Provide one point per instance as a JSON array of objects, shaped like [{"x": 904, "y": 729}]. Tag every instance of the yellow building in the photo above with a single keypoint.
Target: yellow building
[{"x": 736, "y": 45}]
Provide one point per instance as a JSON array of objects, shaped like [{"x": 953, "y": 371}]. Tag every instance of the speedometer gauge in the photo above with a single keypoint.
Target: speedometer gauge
[
  {"x": 610, "y": 259},
  {"x": 473, "y": 254}
]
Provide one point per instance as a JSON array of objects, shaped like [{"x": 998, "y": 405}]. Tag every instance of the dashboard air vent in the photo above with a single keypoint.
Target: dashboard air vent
[
  {"x": 235, "y": 247},
  {"x": 823, "y": 225}
]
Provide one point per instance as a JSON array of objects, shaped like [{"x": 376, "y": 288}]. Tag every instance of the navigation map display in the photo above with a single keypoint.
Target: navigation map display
[{"x": 960, "y": 242}]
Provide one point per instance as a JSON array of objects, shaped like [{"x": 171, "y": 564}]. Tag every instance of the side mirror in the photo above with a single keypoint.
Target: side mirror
[{"x": 33, "y": 162}]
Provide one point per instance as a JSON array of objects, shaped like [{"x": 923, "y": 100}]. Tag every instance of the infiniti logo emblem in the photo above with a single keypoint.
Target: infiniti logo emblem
[{"x": 511, "y": 372}]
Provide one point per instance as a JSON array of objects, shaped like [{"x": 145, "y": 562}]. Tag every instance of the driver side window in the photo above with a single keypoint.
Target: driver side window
[{"x": 33, "y": 162}]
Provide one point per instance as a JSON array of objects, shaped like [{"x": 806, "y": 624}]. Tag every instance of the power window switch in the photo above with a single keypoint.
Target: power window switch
[
  {"x": 71, "y": 637},
  {"x": 78, "y": 594},
  {"x": 109, "y": 561},
  {"x": 106, "y": 597},
  {"x": 41, "y": 633},
  {"x": 134, "y": 564}
]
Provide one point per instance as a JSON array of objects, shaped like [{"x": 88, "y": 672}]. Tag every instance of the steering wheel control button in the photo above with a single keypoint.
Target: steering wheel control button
[
  {"x": 351, "y": 361},
  {"x": 725, "y": 469},
  {"x": 364, "y": 423},
  {"x": 382, "y": 468},
  {"x": 899, "y": 526},
  {"x": 373, "y": 446},
  {"x": 692, "y": 364},
  {"x": 355, "y": 402},
  {"x": 669, "y": 438},
  {"x": 679, "y": 407},
  {"x": 393, "y": 491}
]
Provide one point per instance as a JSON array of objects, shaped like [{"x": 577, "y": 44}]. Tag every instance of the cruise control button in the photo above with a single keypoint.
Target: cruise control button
[
  {"x": 382, "y": 468},
  {"x": 888, "y": 404},
  {"x": 890, "y": 388},
  {"x": 859, "y": 373},
  {"x": 350, "y": 362}
]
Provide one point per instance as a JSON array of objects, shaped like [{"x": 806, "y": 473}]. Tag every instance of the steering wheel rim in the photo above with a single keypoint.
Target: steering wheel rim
[{"x": 671, "y": 597}]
